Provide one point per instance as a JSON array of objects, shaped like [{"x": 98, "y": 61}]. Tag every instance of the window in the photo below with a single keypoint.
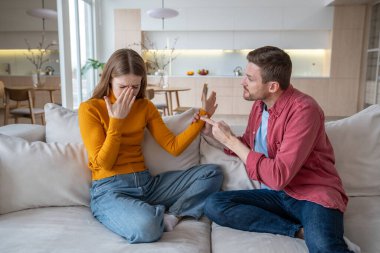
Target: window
[{"x": 77, "y": 44}]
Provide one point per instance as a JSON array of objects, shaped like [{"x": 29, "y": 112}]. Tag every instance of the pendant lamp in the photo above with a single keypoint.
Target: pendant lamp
[
  {"x": 42, "y": 12},
  {"x": 162, "y": 13}
]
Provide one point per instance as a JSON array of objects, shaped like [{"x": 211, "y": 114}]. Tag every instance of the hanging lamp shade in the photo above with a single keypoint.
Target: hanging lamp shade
[
  {"x": 42, "y": 13},
  {"x": 162, "y": 13}
]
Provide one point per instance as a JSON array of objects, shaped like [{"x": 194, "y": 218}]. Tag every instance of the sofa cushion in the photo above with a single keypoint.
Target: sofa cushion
[
  {"x": 226, "y": 239},
  {"x": 39, "y": 174},
  {"x": 29, "y": 132},
  {"x": 158, "y": 160},
  {"x": 362, "y": 222},
  {"x": 62, "y": 124},
  {"x": 356, "y": 143},
  {"x": 235, "y": 174},
  {"x": 74, "y": 229}
]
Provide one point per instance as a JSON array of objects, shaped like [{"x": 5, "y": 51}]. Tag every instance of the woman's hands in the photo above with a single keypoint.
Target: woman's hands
[
  {"x": 121, "y": 108},
  {"x": 209, "y": 104}
]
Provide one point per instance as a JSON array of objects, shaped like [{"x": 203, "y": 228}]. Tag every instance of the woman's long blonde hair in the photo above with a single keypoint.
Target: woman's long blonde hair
[{"x": 122, "y": 62}]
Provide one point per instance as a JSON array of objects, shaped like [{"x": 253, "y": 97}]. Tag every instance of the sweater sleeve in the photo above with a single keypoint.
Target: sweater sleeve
[
  {"x": 173, "y": 144},
  {"x": 102, "y": 147}
]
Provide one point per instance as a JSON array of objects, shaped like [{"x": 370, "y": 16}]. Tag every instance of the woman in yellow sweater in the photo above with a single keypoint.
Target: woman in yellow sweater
[{"x": 124, "y": 196}]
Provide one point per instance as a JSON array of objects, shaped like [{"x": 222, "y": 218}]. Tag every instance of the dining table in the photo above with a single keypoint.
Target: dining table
[
  {"x": 48, "y": 88},
  {"x": 169, "y": 91}
]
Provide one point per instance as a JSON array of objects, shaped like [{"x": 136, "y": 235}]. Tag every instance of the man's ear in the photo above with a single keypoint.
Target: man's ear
[{"x": 274, "y": 87}]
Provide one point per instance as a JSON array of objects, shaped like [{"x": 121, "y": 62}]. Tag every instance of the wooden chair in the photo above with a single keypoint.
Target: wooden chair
[
  {"x": 2, "y": 95},
  {"x": 20, "y": 95},
  {"x": 149, "y": 94},
  {"x": 162, "y": 108}
]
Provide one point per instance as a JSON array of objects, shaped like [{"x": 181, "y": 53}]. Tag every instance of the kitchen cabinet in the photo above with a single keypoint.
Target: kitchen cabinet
[{"x": 258, "y": 18}]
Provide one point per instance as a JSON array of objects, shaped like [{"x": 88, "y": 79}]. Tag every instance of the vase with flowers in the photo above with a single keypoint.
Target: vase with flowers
[
  {"x": 38, "y": 57},
  {"x": 158, "y": 61}
]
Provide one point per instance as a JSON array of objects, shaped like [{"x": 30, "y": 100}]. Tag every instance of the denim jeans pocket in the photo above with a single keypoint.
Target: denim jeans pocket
[{"x": 102, "y": 184}]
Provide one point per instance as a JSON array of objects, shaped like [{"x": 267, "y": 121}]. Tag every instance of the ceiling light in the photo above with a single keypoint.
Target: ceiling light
[
  {"x": 162, "y": 13},
  {"x": 42, "y": 12}
]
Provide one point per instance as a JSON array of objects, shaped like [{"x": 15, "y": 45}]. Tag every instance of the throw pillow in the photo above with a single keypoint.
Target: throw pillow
[
  {"x": 40, "y": 174},
  {"x": 235, "y": 175},
  {"x": 158, "y": 160},
  {"x": 29, "y": 132},
  {"x": 356, "y": 143},
  {"x": 62, "y": 124}
]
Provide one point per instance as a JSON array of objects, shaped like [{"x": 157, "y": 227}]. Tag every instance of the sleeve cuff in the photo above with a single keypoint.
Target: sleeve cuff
[
  {"x": 115, "y": 125},
  {"x": 253, "y": 160}
]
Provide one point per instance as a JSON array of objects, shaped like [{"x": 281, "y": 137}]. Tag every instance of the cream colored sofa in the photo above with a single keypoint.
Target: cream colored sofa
[{"x": 44, "y": 190}]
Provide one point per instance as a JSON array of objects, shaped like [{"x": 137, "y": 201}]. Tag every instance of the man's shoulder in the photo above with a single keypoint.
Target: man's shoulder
[{"x": 303, "y": 101}]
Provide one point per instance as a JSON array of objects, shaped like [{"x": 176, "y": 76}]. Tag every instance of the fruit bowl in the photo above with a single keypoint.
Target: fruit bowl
[{"x": 202, "y": 72}]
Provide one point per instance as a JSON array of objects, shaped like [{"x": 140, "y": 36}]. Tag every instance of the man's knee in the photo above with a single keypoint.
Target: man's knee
[{"x": 214, "y": 208}]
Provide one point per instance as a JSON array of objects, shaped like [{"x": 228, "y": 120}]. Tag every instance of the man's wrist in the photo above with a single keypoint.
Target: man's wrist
[{"x": 231, "y": 142}]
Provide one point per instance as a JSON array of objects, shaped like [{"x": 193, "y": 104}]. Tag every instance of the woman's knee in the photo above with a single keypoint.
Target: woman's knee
[
  {"x": 148, "y": 230},
  {"x": 214, "y": 172}
]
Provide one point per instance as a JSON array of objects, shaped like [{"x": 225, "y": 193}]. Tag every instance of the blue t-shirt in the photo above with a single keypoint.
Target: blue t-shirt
[{"x": 261, "y": 138}]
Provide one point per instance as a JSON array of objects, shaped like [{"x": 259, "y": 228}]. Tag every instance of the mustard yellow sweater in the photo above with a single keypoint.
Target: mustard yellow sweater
[{"x": 114, "y": 145}]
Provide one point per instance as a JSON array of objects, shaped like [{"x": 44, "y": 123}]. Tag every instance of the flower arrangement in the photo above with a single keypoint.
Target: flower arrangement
[
  {"x": 157, "y": 60},
  {"x": 40, "y": 57}
]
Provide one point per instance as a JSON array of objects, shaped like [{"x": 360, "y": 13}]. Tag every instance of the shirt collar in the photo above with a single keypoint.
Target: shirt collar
[{"x": 281, "y": 102}]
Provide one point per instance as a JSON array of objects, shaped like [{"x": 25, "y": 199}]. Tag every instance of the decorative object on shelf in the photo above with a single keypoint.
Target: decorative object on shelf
[
  {"x": 238, "y": 71},
  {"x": 190, "y": 73},
  {"x": 42, "y": 55},
  {"x": 49, "y": 70},
  {"x": 92, "y": 64},
  {"x": 162, "y": 13},
  {"x": 203, "y": 72}
]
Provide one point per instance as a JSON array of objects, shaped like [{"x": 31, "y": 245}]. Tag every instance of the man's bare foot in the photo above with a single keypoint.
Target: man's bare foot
[{"x": 300, "y": 234}]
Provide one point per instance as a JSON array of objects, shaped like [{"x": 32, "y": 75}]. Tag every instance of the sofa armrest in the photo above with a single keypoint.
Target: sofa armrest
[{"x": 28, "y": 132}]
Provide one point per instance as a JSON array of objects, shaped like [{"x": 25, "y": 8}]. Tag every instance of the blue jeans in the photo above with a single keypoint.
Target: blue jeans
[
  {"x": 133, "y": 205},
  {"x": 275, "y": 212}
]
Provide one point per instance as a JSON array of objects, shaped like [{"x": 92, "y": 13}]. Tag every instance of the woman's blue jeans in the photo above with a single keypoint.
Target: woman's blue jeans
[
  {"x": 276, "y": 212},
  {"x": 133, "y": 205}
]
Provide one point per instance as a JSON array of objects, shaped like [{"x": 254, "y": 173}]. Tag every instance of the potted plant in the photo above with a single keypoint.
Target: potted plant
[{"x": 92, "y": 64}]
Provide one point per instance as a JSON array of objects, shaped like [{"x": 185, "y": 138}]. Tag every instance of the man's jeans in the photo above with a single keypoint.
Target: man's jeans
[
  {"x": 133, "y": 205},
  {"x": 275, "y": 212}
]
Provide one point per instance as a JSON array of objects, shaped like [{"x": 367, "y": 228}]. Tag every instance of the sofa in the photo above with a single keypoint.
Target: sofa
[{"x": 45, "y": 183}]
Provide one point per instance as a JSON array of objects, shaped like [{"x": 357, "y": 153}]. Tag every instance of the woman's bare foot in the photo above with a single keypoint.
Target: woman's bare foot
[{"x": 170, "y": 221}]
